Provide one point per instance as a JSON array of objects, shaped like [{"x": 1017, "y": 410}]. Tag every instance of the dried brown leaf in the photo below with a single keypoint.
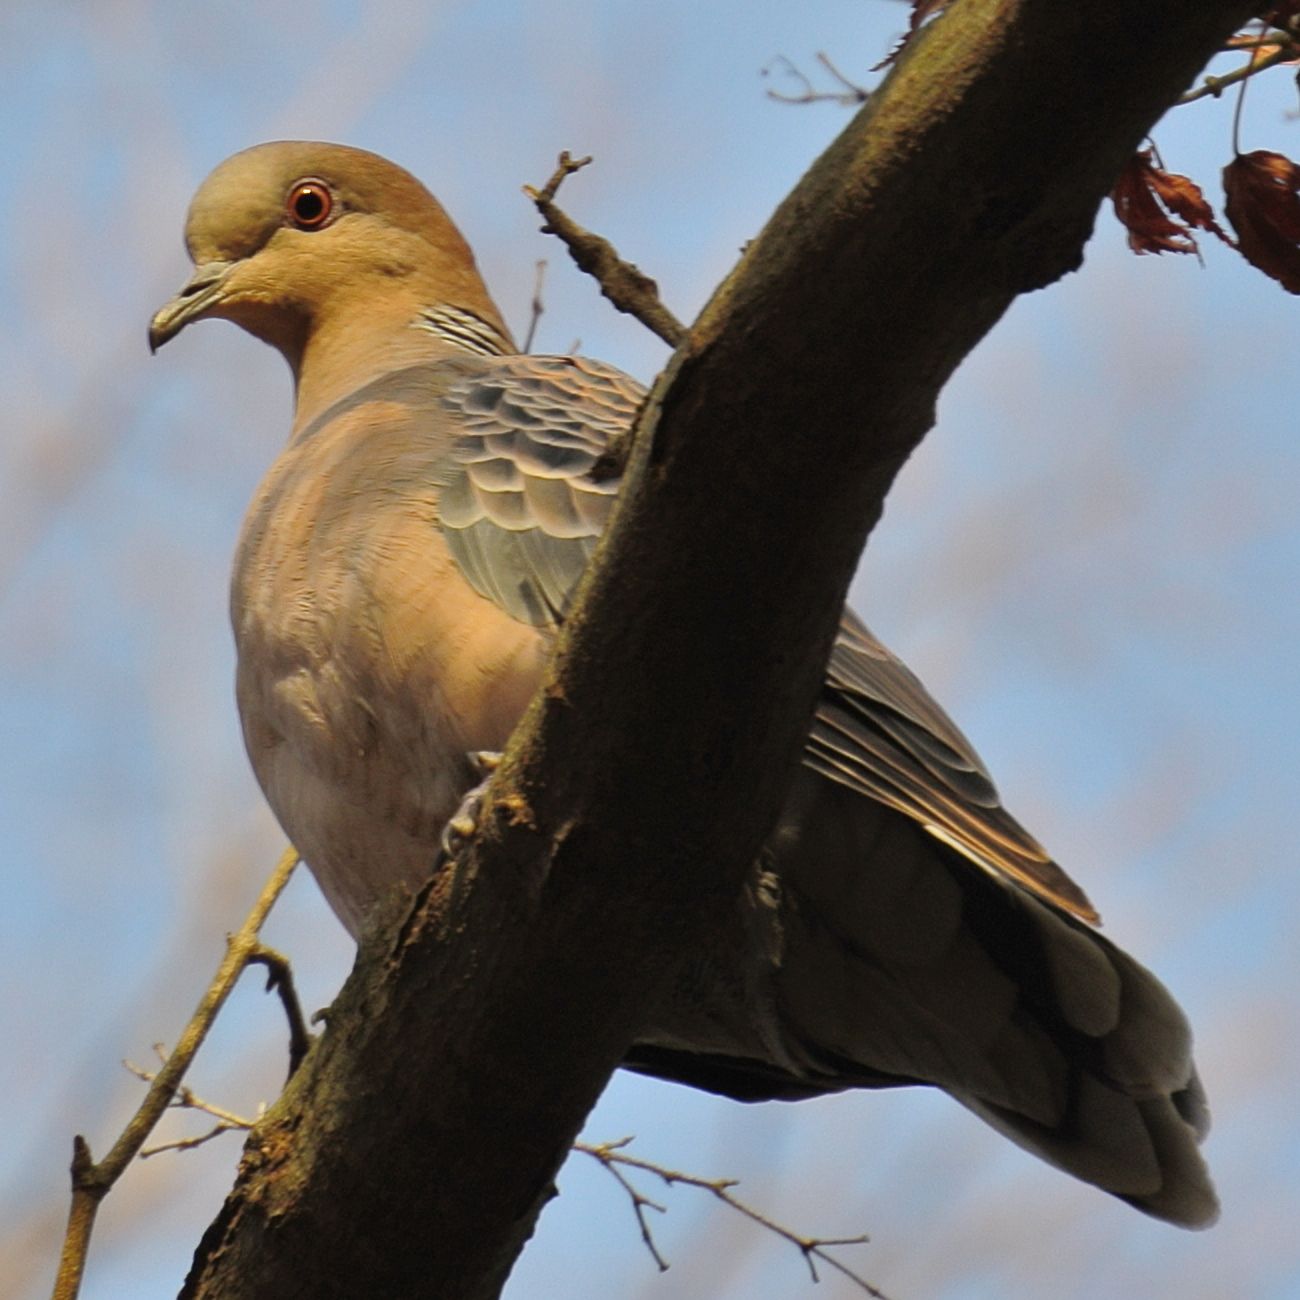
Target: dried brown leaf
[
  {"x": 1160, "y": 209},
  {"x": 1183, "y": 197},
  {"x": 1263, "y": 205}
]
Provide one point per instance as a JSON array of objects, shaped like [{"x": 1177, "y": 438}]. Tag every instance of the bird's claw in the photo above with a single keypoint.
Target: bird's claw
[
  {"x": 485, "y": 761},
  {"x": 462, "y": 824}
]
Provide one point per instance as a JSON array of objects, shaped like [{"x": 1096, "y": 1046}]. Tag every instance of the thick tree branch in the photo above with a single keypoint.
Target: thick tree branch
[{"x": 411, "y": 1154}]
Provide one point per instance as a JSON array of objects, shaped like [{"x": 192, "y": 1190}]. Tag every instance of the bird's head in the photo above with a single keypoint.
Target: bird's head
[{"x": 291, "y": 237}]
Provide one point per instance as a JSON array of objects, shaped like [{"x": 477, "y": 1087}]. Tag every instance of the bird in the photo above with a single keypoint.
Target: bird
[{"x": 400, "y": 575}]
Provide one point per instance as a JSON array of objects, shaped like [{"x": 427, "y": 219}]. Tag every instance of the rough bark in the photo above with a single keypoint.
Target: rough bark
[{"x": 415, "y": 1149}]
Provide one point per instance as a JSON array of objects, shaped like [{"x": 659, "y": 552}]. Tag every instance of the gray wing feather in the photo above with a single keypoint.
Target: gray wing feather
[
  {"x": 522, "y": 512},
  {"x": 520, "y": 508},
  {"x": 878, "y": 731}
]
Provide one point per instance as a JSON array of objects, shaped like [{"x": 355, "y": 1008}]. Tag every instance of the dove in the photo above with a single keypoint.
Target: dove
[{"x": 400, "y": 575}]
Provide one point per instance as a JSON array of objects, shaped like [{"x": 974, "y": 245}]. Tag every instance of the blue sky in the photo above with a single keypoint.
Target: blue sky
[{"x": 1092, "y": 561}]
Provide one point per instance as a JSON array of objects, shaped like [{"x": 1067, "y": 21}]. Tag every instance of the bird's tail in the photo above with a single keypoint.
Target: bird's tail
[{"x": 897, "y": 960}]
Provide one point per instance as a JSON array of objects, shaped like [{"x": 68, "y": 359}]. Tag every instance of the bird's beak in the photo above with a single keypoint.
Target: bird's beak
[{"x": 203, "y": 289}]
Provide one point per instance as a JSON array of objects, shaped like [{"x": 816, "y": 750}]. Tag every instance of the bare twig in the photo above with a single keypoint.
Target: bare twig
[
  {"x": 279, "y": 976},
  {"x": 1286, "y": 51},
  {"x": 1263, "y": 41},
  {"x": 612, "y": 1155},
  {"x": 191, "y": 1143},
  {"x": 187, "y": 1099},
  {"x": 849, "y": 95},
  {"x": 538, "y": 306},
  {"x": 91, "y": 1181},
  {"x": 806, "y": 96},
  {"x": 626, "y": 286},
  {"x": 608, "y": 1154}
]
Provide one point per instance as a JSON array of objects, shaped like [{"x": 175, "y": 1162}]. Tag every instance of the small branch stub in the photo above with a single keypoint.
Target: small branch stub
[
  {"x": 625, "y": 285},
  {"x": 538, "y": 304},
  {"x": 279, "y": 976}
]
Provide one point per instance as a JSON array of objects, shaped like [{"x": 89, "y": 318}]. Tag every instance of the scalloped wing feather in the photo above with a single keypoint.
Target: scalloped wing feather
[
  {"x": 521, "y": 509},
  {"x": 522, "y": 513}
]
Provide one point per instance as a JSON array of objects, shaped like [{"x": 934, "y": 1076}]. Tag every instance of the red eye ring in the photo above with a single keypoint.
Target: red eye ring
[{"x": 309, "y": 204}]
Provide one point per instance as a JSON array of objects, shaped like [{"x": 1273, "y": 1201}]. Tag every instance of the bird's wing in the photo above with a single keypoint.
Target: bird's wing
[
  {"x": 878, "y": 731},
  {"x": 524, "y": 501},
  {"x": 522, "y": 509}
]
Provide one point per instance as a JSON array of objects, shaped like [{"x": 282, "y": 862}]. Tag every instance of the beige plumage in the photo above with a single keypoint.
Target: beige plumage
[{"x": 399, "y": 574}]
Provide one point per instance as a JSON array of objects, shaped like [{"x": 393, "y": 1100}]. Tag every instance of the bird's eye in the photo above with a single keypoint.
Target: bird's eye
[{"x": 309, "y": 205}]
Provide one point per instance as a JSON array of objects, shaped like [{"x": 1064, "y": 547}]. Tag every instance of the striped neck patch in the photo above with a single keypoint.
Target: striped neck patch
[{"x": 464, "y": 330}]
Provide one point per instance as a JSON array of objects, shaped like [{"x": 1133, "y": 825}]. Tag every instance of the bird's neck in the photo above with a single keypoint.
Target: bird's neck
[
  {"x": 338, "y": 356},
  {"x": 350, "y": 349}
]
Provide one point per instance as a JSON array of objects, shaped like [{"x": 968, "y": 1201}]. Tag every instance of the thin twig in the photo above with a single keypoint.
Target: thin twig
[
  {"x": 1263, "y": 41},
  {"x": 187, "y": 1099},
  {"x": 640, "y": 1202},
  {"x": 279, "y": 976},
  {"x": 91, "y": 1181},
  {"x": 626, "y": 286},
  {"x": 848, "y": 96},
  {"x": 610, "y": 1155},
  {"x": 853, "y": 93},
  {"x": 1217, "y": 85},
  {"x": 538, "y": 306},
  {"x": 191, "y": 1143}
]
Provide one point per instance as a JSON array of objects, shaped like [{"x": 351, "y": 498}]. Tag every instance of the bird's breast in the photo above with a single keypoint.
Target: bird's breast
[{"x": 367, "y": 670}]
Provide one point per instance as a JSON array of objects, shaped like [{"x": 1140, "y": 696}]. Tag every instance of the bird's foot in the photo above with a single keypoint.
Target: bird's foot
[
  {"x": 462, "y": 824},
  {"x": 485, "y": 761}
]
